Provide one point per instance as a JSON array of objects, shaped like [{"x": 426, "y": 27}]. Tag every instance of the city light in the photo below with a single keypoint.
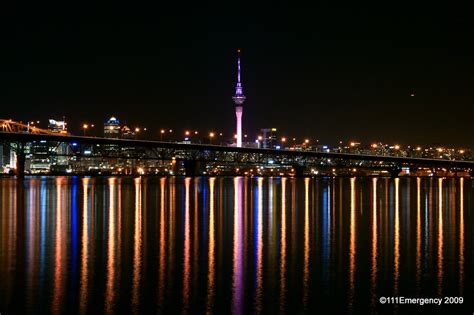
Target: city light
[
  {"x": 84, "y": 128},
  {"x": 397, "y": 147}
]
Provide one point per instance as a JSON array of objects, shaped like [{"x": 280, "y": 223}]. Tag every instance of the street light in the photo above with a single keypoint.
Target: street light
[
  {"x": 162, "y": 131},
  {"x": 85, "y": 127},
  {"x": 211, "y": 135},
  {"x": 259, "y": 141}
]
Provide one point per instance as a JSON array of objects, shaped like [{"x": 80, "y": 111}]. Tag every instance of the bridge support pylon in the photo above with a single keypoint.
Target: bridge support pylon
[
  {"x": 299, "y": 170},
  {"x": 20, "y": 161},
  {"x": 394, "y": 172},
  {"x": 193, "y": 167}
]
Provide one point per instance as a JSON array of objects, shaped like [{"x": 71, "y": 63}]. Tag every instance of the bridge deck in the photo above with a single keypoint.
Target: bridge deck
[{"x": 27, "y": 137}]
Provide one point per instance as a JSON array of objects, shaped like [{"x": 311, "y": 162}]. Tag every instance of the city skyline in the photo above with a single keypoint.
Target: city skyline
[
  {"x": 250, "y": 157},
  {"x": 340, "y": 74}
]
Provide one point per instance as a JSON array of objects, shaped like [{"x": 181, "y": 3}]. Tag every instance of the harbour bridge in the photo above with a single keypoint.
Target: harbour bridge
[{"x": 195, "y": 157}]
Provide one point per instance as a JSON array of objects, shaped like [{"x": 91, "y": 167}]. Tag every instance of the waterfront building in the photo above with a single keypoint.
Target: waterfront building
[
  {"x": 112, "y": 128},
  {"x": 127, "y": 133},
  {"x": 57, "y": 126},
  {"x": 269, "y": 138}
]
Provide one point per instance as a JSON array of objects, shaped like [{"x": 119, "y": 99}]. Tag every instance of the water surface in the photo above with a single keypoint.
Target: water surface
[{"x": 233, "y": 244}]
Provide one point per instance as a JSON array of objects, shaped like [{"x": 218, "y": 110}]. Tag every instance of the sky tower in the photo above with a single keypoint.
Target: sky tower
[{"x": 239, "y": 99}]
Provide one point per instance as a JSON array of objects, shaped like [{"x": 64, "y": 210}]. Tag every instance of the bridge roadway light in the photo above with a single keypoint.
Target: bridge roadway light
[{"x": 211, "y": 135}]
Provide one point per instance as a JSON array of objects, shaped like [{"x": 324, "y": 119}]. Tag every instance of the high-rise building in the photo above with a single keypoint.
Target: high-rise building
[
  {"x": 112, "y": 128},
  {"x": 128, "y": 133},
  {"x": 57, "y": 126},
  {"x": 269, "y": 138},
  {"x": 60, "y": 151},
  {"x": 239, "y": 99}
]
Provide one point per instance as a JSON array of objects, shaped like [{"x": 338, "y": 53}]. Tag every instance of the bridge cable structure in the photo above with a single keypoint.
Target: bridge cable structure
[{"x": 11, "y": 126}]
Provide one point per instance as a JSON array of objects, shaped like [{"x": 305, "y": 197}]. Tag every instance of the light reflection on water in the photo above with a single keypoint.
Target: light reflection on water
[{"x": 231, "y": 244}]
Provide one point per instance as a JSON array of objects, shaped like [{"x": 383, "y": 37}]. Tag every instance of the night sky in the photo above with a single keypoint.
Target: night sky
[{"x": 328, "y": 71}]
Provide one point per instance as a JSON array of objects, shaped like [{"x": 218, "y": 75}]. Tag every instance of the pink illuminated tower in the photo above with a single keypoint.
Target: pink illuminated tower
[{"x": 239, "y": 99}]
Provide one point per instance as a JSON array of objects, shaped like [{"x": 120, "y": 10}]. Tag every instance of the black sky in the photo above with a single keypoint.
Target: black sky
[{"x": 326, "y": 70}]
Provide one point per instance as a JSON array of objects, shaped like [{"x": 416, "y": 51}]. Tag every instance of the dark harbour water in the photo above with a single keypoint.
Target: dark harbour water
[{"x": 234, "y": 245}]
